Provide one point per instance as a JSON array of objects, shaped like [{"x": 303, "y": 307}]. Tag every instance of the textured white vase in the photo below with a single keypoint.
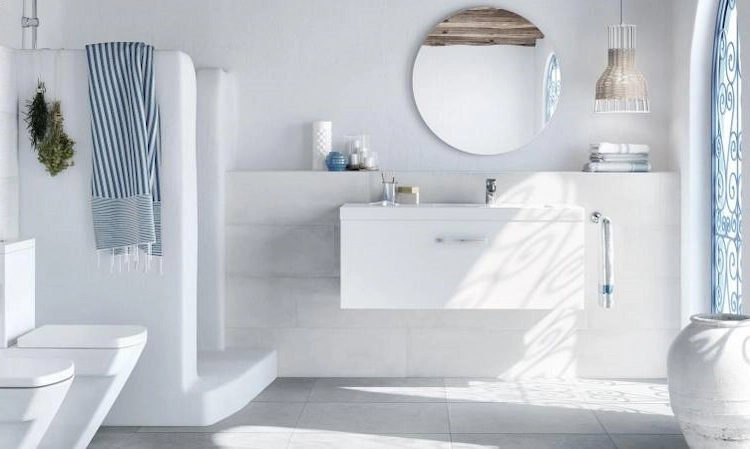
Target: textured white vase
[
  {"x": 709, "y": 381},
  {"x": 322, "y": 138}
]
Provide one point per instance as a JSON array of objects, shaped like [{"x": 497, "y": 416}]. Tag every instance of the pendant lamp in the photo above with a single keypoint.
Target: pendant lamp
[{"x": 622, "y": 87}]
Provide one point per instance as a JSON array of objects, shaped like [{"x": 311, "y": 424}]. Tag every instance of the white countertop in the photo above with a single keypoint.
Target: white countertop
[{"x": 471, "y": 212}]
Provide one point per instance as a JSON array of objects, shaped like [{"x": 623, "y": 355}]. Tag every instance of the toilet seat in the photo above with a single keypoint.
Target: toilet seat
[
  {"x": 32, "y": 391},
  {"x": 21, "y": 372},
  {"x": 83, "y": 336}
]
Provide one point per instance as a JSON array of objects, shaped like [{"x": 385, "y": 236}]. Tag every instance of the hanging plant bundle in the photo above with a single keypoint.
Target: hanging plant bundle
[
  {"x": 37, "y": 116},
  {"x": 56, "y": 151}
]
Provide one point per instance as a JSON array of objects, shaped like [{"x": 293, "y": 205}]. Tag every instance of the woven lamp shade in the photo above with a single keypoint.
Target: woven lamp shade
[{"x": 622, "y": 87}]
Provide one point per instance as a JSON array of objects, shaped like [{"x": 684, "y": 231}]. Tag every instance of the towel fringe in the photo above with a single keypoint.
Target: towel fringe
[{"x": 132, "y": 257}]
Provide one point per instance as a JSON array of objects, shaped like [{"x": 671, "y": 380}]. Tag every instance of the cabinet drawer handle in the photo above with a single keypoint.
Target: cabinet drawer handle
[{"x": 461, "y": 241}]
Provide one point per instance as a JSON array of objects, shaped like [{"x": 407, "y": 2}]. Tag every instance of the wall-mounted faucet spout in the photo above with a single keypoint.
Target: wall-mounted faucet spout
[{"x": 490, "y": 192}]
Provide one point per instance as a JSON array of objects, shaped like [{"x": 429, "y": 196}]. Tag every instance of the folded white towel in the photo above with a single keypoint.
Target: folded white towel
[
  {"x": 619, "y": 157},
  {"x": 619, "y": 148},
  {"x": 617, "y": 167}
]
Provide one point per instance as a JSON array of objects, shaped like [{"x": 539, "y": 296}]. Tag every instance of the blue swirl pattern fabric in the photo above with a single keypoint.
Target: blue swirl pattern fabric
[{"x": 126, "y": 197}]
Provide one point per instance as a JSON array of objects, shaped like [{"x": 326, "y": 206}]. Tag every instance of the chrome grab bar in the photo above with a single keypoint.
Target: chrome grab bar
[
  {"x": 606, "y": 269},
  {"x": 462, "y": 241}
]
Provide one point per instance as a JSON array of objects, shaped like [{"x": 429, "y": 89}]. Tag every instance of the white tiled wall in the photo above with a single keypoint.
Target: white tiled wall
[
  {"x": 283, "y": 285},
  {"x": 8, "y": 146}
]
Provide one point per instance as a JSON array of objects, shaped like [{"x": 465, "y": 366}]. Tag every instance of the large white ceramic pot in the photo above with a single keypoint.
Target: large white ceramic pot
[{"x": 709, "y": 381}]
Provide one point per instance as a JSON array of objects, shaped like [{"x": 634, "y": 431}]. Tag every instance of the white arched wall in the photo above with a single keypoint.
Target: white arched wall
[{"x": 692, "y": 139}]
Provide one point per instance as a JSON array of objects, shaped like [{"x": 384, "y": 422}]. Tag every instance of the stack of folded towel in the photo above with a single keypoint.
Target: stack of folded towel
[{"x": 618, "y": 158}]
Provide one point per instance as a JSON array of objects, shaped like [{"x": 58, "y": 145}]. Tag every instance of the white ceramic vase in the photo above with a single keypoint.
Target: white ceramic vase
[
  {"x": 322, "y": 138},
  {"x": 709, "y": 381}
]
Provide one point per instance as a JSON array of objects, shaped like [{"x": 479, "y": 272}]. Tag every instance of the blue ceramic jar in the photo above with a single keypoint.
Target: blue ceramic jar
[{"x": 336, "y": 161}]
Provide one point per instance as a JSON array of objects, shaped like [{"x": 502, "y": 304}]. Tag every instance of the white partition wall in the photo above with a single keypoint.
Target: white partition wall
[
  {"x": 173, "y": 384},
  {"x": 215, "y": 142},
  {"x": 8, "y": 146}
]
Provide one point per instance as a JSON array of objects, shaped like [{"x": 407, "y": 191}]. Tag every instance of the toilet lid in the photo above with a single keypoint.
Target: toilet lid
[
  {"x": 22, "y": 372},
  {"x": 83, "y": 336}
]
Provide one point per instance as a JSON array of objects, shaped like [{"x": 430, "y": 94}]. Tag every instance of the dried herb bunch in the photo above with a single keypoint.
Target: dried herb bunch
[
  {"x": 37, "y": 116},
  {"x": 56, "y": 151}
]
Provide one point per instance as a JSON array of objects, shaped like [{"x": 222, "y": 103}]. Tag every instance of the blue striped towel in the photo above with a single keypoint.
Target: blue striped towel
[{"x": 126, "y": 198}]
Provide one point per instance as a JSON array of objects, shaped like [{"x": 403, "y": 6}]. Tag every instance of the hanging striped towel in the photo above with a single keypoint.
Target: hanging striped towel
[{"x": 126, "y": 198}]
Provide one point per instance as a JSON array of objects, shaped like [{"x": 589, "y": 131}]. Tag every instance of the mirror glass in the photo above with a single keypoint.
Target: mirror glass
[{"x": 486, "y": 81}]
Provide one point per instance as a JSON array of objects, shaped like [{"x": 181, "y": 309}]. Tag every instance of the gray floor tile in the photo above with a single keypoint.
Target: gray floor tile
[
  {"x": 287, "y": 390},
  {"x": 166, "y": 441},
  {"x": 378, "y": 390},
  {"x": 624, "y": 391},
  {"x": 517, "y": 392},
  {"x": 335, "y": 440},
  {"x": 251, "y": 440},
  {"x": 477, "y": 441},
  {"x": 520, "y": 418},
  {"x": 257, "y": 417},
  {"x": 649, "y": 442},
  {"x": 110, "y": 440},
  {"x": 415, "y": 414},
  {"x": 118, "y": 429},
  {"x": 637, "y": 418},
  {"x": 375, "y": 418},
  {"x": 188, "y": 440}
]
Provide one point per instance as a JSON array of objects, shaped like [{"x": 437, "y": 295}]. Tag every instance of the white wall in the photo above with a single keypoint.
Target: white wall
[
  {"x": 691, "y": 143},
  {"x": 350, "y": 61},
  {"x": 48, "y": 12},
  {"x": 283, "y": 286},
  {"x": 483, "y": 99},
  {"x": 8, "y": 145}
]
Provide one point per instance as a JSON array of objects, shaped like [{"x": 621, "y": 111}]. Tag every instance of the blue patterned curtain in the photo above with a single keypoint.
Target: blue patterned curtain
[{"x": 727, "y": 163}]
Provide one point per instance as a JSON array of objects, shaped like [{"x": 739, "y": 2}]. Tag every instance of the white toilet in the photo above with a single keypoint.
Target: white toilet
[
  {"x": 103, "y": 355},
  {"x": 31, "y": 391}
]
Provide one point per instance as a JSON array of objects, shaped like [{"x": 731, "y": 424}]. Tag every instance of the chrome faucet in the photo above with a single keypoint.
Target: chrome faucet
[{"x": 490, "y": 192}]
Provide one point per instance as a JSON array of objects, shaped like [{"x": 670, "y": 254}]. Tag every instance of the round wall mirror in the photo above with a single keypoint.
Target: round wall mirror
[{"x": 486, "y": 81}]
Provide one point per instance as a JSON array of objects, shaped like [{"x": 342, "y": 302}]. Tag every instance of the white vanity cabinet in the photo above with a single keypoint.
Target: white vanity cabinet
[{"x": 462, "y": 257}]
